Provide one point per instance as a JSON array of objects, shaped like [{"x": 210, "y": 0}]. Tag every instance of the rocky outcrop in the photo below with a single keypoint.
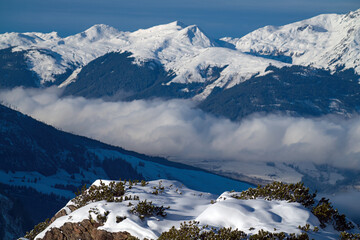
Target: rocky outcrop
[
  {"x": 63, "y": 212},
  {"x": 85, "y": 230}
]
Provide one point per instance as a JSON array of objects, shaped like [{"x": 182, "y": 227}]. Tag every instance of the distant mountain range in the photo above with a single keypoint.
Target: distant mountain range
[{"x": 179, "y": 61}]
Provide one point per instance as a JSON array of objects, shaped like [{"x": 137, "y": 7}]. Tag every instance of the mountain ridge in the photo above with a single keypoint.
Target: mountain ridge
[
  {"x": 42, "y": 167},
  {"x": 183, "y": 49}
]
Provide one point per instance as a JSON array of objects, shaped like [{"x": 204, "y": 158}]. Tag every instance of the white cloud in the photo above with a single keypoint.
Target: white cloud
[{"x": 178, "y": 130}]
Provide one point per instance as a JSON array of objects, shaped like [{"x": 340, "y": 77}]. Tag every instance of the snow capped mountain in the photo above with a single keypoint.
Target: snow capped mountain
[
  {"x": 235, "y": 67},
  {"x": 329, "y": 41},
  {"x": 165, "y": 43},
  {"x": 183, "y": 50},
  {"x": 95, "y": 33},
  {"x": 25, "y": 39}
]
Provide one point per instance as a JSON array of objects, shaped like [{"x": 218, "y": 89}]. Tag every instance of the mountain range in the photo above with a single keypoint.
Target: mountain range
[{"x": 179, "y": 61}]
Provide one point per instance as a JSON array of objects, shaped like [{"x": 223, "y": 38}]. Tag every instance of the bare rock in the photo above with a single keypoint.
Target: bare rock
[
  {"x": 85, "y": 230},
  {"x": 63, "y": 212},
  {"x": 60, "y": 213},
  {"x": 72, "y": 207}
]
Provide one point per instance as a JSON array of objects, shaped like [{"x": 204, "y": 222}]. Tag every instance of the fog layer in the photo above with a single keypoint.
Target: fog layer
[{"x": 177, "y": 130}]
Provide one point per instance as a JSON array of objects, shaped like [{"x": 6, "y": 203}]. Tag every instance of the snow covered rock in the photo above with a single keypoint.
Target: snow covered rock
[{"x": 148, "y": 209}]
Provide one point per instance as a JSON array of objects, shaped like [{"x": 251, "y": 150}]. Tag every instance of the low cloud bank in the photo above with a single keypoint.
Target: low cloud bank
[
  {"x": 177, "y": 130},
  {"x": 347, "y": 203}
]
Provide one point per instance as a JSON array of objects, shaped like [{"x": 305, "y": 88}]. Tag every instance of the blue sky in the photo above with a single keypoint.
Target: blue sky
[{"x": 217, "y": 18}]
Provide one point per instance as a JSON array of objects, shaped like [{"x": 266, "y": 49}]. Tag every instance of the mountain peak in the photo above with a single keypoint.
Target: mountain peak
[
  {"x": 164, "y": 28},
  {"x": 179, "y": 23},
  {"x": 175, "y": 34},
  {"x": 327, "y": 41},
  {"x": 97, "y": 32},
  {"x": 353, "y": 14},
  {"x": 196, "y": 36},
  {"x": 47, "y": 36},
  {"x": 101, "y": 27}
]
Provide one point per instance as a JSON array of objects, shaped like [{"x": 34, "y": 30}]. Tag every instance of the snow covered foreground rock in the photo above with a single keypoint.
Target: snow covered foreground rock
[{"x": 156, "y": 209}]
